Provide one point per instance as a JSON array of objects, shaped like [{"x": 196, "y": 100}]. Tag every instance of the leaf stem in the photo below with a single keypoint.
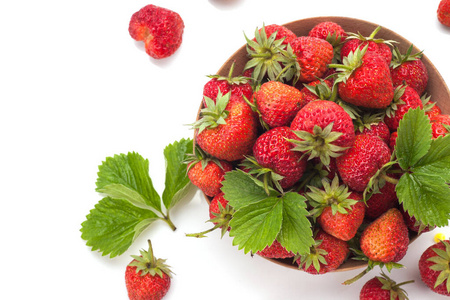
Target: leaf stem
[
  {"x": 167, "y": 219},
  {"x": 388, "y": 179}
]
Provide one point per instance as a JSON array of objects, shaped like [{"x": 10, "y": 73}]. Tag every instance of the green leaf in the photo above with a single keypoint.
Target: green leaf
[
  {"x": 113, "y": 225},
  {"x": 120, "y": 191},
  {"x": 425, "y": 196},
  {"x": 177, "y": 182},
  {"x": 241, "y": 189},
  {"x": 131, "y": 171},
  {"x": 437, "y": 160},
  {"x": 296, "y": 234},
  {"x": 414, "y": 138},
  {"x": 256, "y": 225}
]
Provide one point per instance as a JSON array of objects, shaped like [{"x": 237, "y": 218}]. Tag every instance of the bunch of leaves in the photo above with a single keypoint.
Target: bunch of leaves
[
  {"x": 262, "y": 217},
  {"x": 131, "y": 203}
]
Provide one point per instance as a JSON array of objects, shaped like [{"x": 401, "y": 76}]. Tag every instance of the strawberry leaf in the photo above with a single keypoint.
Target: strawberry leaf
[{"x": 437, "y": 160}]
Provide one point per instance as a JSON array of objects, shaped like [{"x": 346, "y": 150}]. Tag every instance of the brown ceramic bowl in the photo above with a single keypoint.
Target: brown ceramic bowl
[{"x": 436, "y": 85}]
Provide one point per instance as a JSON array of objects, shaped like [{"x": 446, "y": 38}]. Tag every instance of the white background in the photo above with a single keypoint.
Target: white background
[{"x": 75, "y": 88}]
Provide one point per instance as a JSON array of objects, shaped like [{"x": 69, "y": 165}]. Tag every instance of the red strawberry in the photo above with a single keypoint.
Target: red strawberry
[
  {"x": 330, "y": 31},
  {"x": 405, "y": 97},
  {"x": 364, "y": 80},
  {"x": 429, "y": 107},
  {"x": 273, "y": 151},
  {"x": 367, "y": 155},
  {"x": 326, "y": 255},
  {"x": 339, "y": 212},
  {"x": 324, "y": 129},
  {"x": 276, "y": 250},
  {"x": 443, "y": 12},
  {"x": 440, "y": 125},
  {"x": 383, "y": 288},
  {"x": 227, "y": 129},
  {"x": 280, "y": 31},
  {"x": 206, "y": 172},
  {"x": 408, "y": 69},
  {"x": 315, "y": 90},
  {"x": 372, "y": 124},
  {"x": 393, "y": 140},
  {"x": 434, "y": 267},
  {"x": 238, "y": 85},
  {"x": 313, "y": 56},
  {"x": 381, "y": 202},
  {"x": 278, "y": 103},
  {"x": 220, "y": 212},
  {"x": 374, "y": 45},
  {"x": 386, "y": 239},
  {"x": 146, "y": 277},
  {"x": 161, "y": 30}
]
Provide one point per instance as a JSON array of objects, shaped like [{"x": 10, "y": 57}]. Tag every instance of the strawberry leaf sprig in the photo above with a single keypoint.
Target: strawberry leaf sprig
[{"x": 131, "y": 203}]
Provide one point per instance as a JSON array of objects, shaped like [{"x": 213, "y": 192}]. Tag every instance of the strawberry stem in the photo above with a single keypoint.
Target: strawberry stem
[
  {"x": 357, "y": 277},
  {"x": 169, "y": 221},
  {"x": 388, "y": 179}
]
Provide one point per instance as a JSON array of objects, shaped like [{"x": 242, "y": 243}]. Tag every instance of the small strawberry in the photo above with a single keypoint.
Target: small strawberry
[
  {"x": 326, "y": 255},
  {"x": 146, "y": 277},
  {"x": 161, "y": 30},
  {"x": 393, "y": 140},
  {"x": 276, "y": 250},
  {"x": 319, "y": 89},
  {"x": 324, "y": 129},
  {"x": 372, "y": 124},
  {"x": 382, "y": 201},
  {"x": 434, "y": 267},
  {"x": 383, "y": 288},
  {"x": 364, "y": 79},
  {"x": 339, "y": 212},
  {"x": 443, "y": 12},
  {"x": 330, "y": 31},
  {"x": 440, "y": 125},
  {"x": 275, "y": 159},
  {"x": 405, "y": 97},
  {"x": 408, "y": 69},
  {"x": 312, "y": 56},
  {"x": 278, "y": 103},
  {"x": 386, "y": 239},
  {"x": 429, "y": 107},
  {"x": 227, "y": 129},
  {"x": 280, "y": 31},
  {"x": 206, "y": 172},
  {"x": 237, "y": 85},
  {"x": 362, "y": 161}
]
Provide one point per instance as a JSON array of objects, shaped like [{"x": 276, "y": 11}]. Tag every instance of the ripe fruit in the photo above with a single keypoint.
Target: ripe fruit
[
  {"x": 278, "y": 103},
  {"x": 383, "y": 288},
  {"x": 434, "y": 267},
  {"x": 227, "y": 129},
  {"x": 324, "y": 129},
  {"x": 405, "y": 97},
  {"x": 367, "y": 155},
  {"x": 386, "y": 239},
  {"x": 315, "y": 90},
  {"x": 146, "y": 277},
  {"x": 373, "y": 124},
  {"x": 329, "y": 31},
  {"x": 443, "y": 12},
  {"x": 381, "y": 202},
  {"x": 440, "y": 125},
  {"x": 161, "y": 30},
  {"x": 276, "y": 250}
]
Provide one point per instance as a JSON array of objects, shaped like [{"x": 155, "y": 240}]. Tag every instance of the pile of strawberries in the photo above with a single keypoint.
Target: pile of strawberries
[{"x": 317, "y": 114}]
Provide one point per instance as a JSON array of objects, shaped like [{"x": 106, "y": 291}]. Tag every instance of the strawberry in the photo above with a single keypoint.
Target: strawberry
[
  {"x": 220, "y": 212},
  {"x": 382, "y": 201},
  {"x": 324, "y": 129},
  {"x": 326, "y": 255},
  {"x": 339, "y": 211},
  {"x": 237, "y": 85},
  {"x": 315, "y": 90},
  {"x": 374, "y": 45},
  {"x": 278, "y": 103},
  {"x": 146, "y": 277},
  {"x": 280, "y": 31},
  {"x": 434, "y": 267},
  {"x": 227, "y": 129},
  {"x": 405, "y": 97},
  {"x": 362, "y": 161},
  {"x": 364, "y": 79},
  {"x": 161, "y": 30},
  {"x": 429, "y": 107},
  {"x": 206, "y": 172},
  {"x": 383, "y": 288},
  {"x": 312, "y": 56},
  {"x": 276, "y": 250},
  {"x": 413, "y": 224},
  {"x": 272, "y": 151},
  {"x": 372, "y": 124},
  {"x": 330, "y": 31},
  {"x": 386, "y": 239},
  {"x": 443, "y": 12},
  {"x": 408, "y": 69},
  {"x": 440, "y": 125},
  {"x": 393, "y": 140}
]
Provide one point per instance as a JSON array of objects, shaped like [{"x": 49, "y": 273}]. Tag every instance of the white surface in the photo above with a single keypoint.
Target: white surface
[{"x": 75, "y": 88}]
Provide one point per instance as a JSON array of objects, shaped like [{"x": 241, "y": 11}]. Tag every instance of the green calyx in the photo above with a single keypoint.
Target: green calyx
[
  {"x": 371, "y": 37},
  {"x": 200, "y": 156},
  {"x": 315, "y": 257},
  {"x": 331, "y": 195},
  {"x": 349, "y": 63},
  {"x": 270, "y": 57},
  {"x": 398, "y": 58},
  {"x": 221, "y": 220},
  {"x": 232, "y": 80},
  {"x": 319, "y": 143},
  {"x": 396, "y": 291},
  {"x": 367, "y": 120},
  {"x": 268, "y": 177},
  {"x": 147, "y": 264},
  {"x": 442, "y": 264},
  {"x": 398, "y": 94},
  {"x": 214, "y": 114}
]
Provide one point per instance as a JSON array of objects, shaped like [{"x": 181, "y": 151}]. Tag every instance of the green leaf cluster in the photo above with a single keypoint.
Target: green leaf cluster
[
  {"x": 131, "y": 203},
  {"x": 262, "y": 217},
  {"x": 423, "y": 189}
]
